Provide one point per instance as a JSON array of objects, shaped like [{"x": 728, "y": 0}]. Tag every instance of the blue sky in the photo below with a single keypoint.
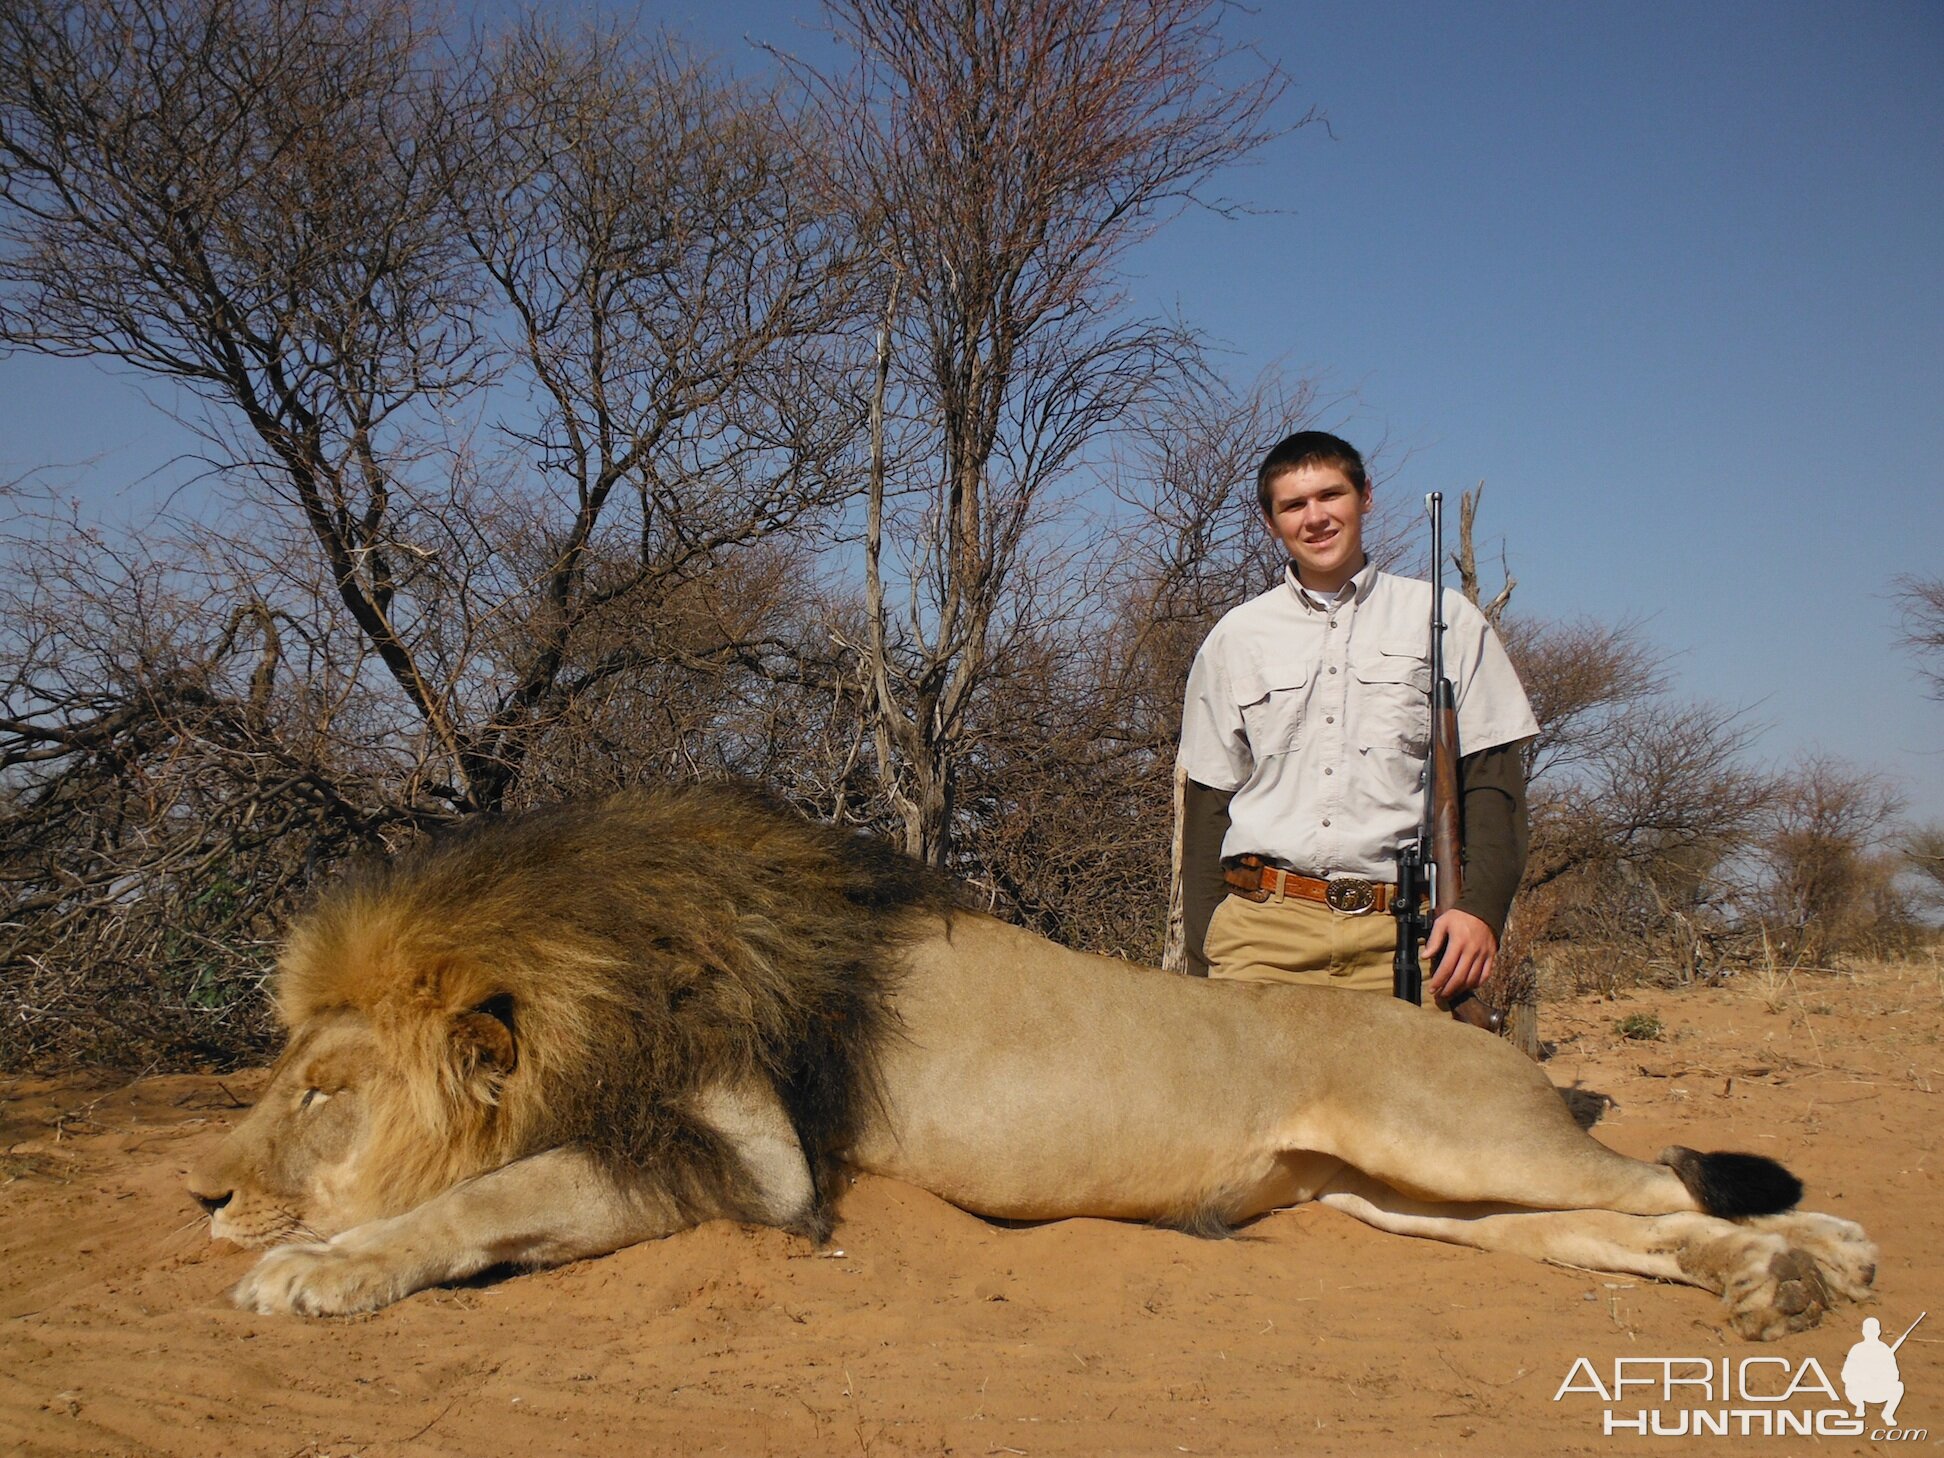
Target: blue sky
[{"x": 1668, "y": 278}]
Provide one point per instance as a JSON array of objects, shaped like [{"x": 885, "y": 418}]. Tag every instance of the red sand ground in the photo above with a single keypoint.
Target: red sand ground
[{"x": 922, "y": 1330}]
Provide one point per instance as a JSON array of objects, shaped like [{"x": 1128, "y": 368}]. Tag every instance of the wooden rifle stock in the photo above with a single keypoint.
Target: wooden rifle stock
[
  {"x": 1443, "y": 830},
  {"x": 1447, "y": 840},
  {"x": 1447, "y": 827}
]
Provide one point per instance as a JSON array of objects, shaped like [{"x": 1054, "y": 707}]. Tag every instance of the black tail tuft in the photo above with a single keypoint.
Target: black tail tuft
[{"x": 1733, "y": 1185}]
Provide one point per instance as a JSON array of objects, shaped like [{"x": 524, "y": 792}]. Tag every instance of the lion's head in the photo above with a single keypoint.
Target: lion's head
[
  {"x": 271, "y": 1181},
  {"x": 345, "y": 1132},
  {"x": 568, "y": 976}
]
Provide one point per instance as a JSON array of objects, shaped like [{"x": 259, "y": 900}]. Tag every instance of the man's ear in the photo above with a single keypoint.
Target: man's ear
[
  {"x": 1363, "y": 507},
  {"x": 484, "y": 1047}
]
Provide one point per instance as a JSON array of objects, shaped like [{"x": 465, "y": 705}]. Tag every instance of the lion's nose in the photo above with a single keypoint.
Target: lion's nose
[{"x": 211, "y": 1194}]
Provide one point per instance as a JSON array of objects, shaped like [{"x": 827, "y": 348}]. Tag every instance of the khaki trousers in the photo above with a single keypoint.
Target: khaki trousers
[{"x": 1293, "y": 940}]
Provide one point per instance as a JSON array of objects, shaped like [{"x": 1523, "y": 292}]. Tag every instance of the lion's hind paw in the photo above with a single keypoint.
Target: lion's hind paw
[
  {"x": 1845, "y": 1257},
  {"x": 1774, "y": 1297}
]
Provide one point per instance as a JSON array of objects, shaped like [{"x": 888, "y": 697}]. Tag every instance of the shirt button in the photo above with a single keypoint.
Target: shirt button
[
  {"x": 1333, "y": 670},
  {"x": 1329, "y": 718},
  {"x": 1329, "y": 771},
  {"x": 1326, "y": 822}
]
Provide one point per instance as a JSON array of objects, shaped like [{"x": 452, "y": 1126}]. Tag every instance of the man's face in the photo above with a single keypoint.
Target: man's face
[{"x": 1318, "y": 515}]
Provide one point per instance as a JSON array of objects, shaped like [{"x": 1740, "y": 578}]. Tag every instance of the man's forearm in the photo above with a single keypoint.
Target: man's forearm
[
  {"x": 1204, "y": 825},
  {"x": 1492, "y": 788}
]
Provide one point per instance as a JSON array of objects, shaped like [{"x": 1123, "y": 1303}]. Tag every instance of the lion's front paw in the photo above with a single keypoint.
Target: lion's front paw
[{"x": 319, "y": 1280}]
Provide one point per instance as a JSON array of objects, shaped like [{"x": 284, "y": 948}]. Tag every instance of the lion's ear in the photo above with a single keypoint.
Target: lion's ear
[{"x": 483, "y": 1044}]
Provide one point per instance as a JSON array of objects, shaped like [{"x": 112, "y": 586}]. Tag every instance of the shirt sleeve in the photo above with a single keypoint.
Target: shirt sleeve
[
  {"x": 1214, "y": 747},
  {"x": 1204, "y": 826},
  {"x": 1491, "y": 787},
  {"x": 1492, "y": 704}
]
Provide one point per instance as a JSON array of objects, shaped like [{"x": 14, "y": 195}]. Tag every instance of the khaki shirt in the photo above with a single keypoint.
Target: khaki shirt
[{"x": 1317, "y": 716}]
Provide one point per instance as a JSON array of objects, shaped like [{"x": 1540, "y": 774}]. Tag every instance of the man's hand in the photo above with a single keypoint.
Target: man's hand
[{"x": 1464, "y": 948}]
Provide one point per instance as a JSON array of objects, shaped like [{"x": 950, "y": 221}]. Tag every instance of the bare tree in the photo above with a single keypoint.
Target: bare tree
[
  {"x": 673, "y": 292},
  {"x": 1922, "y": 847},
  {"x": 1639, "y": 803},
  {"x": 353, "y": 254},
  {"x": 1585, "y": 680},
  {"x": 1002, "y": 155},
  {"x": 1824, "y": 888},
  {"x": 514, "y": 364},
  {"x": 169, "y": 772},
  {"x": 1922, "y": 602},
  {"x": 1465, "y": 559},
  {"x": 241, "y": 196},
  {"x": 1191, "y": 543}
]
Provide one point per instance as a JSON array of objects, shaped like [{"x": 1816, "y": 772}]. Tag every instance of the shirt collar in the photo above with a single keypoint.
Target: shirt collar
[{"x": 1358, "y": 587}]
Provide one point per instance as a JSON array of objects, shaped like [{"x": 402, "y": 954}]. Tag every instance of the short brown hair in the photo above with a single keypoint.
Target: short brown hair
[{"x": 1309, "y": 448}]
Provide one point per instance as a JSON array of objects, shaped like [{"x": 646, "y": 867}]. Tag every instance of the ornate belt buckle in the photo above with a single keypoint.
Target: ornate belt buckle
[{"x": 1351, "y": 895}]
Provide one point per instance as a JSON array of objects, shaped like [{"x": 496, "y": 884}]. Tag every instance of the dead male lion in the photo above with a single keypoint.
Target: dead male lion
[{"x": 557, "y": 1034}]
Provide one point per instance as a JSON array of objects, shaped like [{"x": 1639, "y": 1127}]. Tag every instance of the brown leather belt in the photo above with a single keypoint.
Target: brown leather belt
[{"x": 1254, "y": 880}]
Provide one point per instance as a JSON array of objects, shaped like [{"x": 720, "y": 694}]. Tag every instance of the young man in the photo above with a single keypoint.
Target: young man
[{"x": 1304, "y": 738}]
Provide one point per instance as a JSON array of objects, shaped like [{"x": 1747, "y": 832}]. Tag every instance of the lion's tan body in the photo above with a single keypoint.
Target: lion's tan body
[
  {"x": 1018, "y": 1080},
  {"x": 1069, "y": 1084}
]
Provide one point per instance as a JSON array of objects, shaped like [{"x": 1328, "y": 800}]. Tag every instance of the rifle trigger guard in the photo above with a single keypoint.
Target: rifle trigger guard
[{"x": 1351, "y": 895}]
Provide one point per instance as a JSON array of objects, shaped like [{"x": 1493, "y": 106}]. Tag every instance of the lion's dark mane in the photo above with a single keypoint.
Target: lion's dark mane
[{"x": 639, "y": 948}]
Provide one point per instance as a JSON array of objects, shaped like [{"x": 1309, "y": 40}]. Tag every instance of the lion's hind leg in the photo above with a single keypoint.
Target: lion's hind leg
[
  {"x": 1509, "y": 1137},
  {"x": 1769, "y": 1286}
]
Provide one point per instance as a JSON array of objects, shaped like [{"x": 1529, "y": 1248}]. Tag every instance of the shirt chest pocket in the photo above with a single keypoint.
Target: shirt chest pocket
[
  {"x": 1271, "y": 701},
  {"x": 1392, "y": 682}
]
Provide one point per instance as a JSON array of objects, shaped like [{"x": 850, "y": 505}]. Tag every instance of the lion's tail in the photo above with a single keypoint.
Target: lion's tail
[{"x": 1734, "y": 1185}]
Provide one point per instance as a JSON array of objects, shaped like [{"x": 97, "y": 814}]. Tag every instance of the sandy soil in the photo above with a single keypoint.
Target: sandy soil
[{"x": 923, "y": 1330}]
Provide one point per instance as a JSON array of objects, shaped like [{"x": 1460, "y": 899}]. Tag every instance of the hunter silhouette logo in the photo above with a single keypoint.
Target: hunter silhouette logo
[
  {"x": 1870, "y": 1373},
  {"x": 1767, "y": 1396}
]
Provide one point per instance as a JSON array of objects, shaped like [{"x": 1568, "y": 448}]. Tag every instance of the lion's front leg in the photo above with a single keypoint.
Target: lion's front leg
[{"x": 546, "y": 1209}]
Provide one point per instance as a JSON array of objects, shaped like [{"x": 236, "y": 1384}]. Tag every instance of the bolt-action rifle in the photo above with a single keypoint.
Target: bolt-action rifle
[{"x": 1436, "y": 854}]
